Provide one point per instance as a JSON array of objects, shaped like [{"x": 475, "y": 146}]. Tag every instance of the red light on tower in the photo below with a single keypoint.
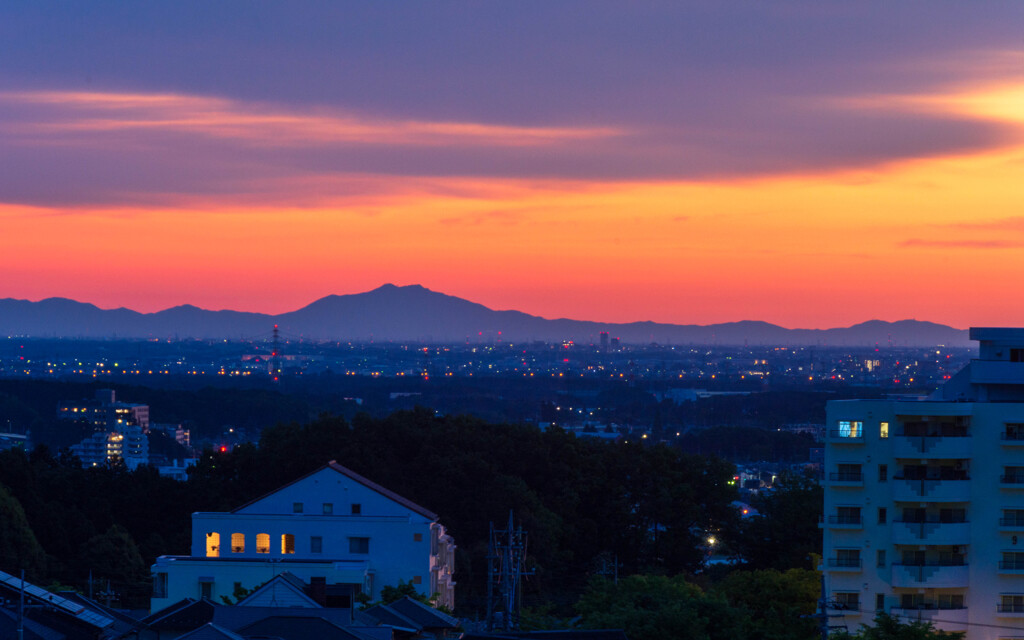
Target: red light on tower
[{"x": 223, "y": 449}]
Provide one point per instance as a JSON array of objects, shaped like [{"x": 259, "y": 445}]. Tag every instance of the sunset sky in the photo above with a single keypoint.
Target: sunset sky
[{"x": 811, "y": 164}]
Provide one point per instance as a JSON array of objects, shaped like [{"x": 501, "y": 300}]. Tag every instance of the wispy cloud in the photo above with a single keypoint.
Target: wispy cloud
[
  {"x": 961, "y": 244},
  {"x": 263, "y": 125}
]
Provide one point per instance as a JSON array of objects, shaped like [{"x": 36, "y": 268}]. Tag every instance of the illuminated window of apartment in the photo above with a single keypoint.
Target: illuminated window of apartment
[
  {"x": 212, "y": 545},
  {"x": 359, "y": 545},
  {"x": 316, "y": 544},
  {"x": 296, "y": 507},
  {"x": 328, "y": 508},
  {"x": 883, "y": 430},
  {"x": 237, "y": 543},
  {"x": 850, "y": 429},
  {"x": 287, "y": 543},
  {"x": 357, "y": 509},
  {"x": 262, "y": 543}
]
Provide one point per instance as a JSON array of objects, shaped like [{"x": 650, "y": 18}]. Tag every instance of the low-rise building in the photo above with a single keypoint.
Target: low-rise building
[{"x": 332, "y": 527}]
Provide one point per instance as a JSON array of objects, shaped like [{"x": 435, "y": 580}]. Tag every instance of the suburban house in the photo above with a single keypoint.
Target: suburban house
[{"x": 336, "y": 531}]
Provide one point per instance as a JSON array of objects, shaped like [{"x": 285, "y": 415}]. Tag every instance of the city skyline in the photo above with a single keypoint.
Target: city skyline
[{"x": 803, "y": 164}]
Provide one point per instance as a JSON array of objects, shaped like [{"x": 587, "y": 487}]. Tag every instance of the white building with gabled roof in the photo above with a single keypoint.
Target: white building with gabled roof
[{"x": 335, "y": 530}]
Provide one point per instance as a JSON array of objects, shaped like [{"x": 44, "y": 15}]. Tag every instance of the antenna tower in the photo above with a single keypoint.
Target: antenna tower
[
  {"x": 506, "y": 557},
  {"x": 275, "y": 366}
]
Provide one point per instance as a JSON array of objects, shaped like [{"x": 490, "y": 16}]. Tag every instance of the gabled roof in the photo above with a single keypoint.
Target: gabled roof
[
  {"x": 369, "y": 484},
  {"x": 388, "y": 616},
  {"x": 298, "y": 628},
  {"x": 63, "y": 605},
  {"x": 184, "y": 614},
  {"x": 210, "y": 631},
  {"x": 33, "y": 630},
  {"x": 287, "y": 581},
  {"x": 423, "y": 614}
]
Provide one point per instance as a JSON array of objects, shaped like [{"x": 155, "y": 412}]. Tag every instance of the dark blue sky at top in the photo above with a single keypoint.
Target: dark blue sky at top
[{"x": 700, "y": 88}]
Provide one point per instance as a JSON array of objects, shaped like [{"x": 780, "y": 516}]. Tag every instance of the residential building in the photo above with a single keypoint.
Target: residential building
[
  {"x": 924, "y": 500},
  {"x": 105, "y": 413},
  {"x": 129, "y": 444},
  {"x": 331, "y": 528}
]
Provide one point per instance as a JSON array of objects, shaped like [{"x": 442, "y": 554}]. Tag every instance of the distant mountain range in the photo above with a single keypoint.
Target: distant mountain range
[{"x": 414, "y": 313}]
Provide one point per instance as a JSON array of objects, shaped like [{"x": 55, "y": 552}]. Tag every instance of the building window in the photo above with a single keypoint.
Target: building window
[
  {"x": 883, "y": 473},
  {"x": 417, "y": 537},
  {"x": 212, "y": 544},
  {"x": 883, "y": 429},
  {"x": 357, "y": 509},
  {"x": 850, "y": 429},
  {"x": 237, "y": 543},
  {"x": 1013, "y": 475},
  {"x": 847, "y": 600},
  {"x": 880, "y": 558},
  {"x": 1011, "y": 604},
  {"x": 262, "y": 543},
  {"x": 359, "y": 545},
  {"x": 1014, "y": 431},
  {"x": 296, "y": 507},
  {"x": 950, "y": 601},
  {"x": 1012, "y": 518},
  {"x": 847, "y": 473},
  {"x": 879, "y": 602},
  {"x": 316, "y": 544},
  {"x": 287, "y": 543},
  {"x": 1012, "y": 560},
  {"x": 159, "y": 585},
  {"x": 846, "y": 558},
  {"x": 206, "y": 588},
  {"x": 328, "y": 508},
  {"x": 882, "y": 515},
  {"x": 417, "y": 580}
]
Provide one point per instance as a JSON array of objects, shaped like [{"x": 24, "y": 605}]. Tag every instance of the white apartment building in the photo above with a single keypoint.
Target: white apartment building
[
  {"x": 331, "y": 528},
  {"x": 924, "y": 500}
]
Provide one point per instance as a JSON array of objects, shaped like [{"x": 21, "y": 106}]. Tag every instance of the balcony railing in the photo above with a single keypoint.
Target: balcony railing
[
  {"x": 846, "y": 435},
  {"x": 1011, "y": 565},
  {"x": 1012, "y": 478},
  {"x": 1016, "y": 607},
  {"x": 846, "y": 476},
  {"x": 844, "y": 563},
  {"x": 1011, "y": 522},
  {"x": 1010, "y": 436},
  {"x": 851, "y": 520}
]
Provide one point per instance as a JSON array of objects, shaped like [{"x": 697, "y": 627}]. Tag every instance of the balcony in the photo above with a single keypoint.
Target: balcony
[
  {"x": 846, "y": 436},
  {"x": 936, "y": 533},
  {"x": 1011, "y": 566},
  {"x": 943, "y": 619},
  {"x": 1010, "y": 610},
  {"x": 846, "y": 479},
  {"x": 931, "y": 490},
  {"x": 931, "y": 447},
  {"x": 996, "y": 372},
  {"x": 843, "y": 564},
  {"x": 1011, "y": 523},
  {"x": 932, "y": 576},
  {"x": 1011, "y": 439},
  {"x": 845, "y": 522},
  {"x": 1012, "y": 481}
]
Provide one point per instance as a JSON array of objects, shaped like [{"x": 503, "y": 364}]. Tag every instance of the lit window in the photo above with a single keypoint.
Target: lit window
[
  {"x": 359, "y": 545},
  {"x": 883, "y": 430},
  {"x": 212, "y": 545},
  {"x": 237, "y": 543},
  {"x": 850, "y": 429},
  {"x": 287, "y": 543},
  {"x": 262, "y": 543}
]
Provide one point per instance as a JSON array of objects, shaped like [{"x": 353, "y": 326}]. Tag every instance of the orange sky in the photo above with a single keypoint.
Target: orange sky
[{"x": 937, "y": 235}]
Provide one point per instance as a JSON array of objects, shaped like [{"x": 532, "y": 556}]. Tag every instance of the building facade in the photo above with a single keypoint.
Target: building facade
[
  {"x": 332, "y": 527},
  {"x": 924, "y": 500}
]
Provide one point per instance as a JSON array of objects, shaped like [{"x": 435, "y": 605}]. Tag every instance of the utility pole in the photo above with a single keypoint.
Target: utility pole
[
  {"x": 506, "y": 557},
  {"x": 21, "y": 608}
]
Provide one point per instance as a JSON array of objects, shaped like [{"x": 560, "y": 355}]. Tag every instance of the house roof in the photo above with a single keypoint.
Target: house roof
[
  {"x": 566, "y": 634},
  {"x": 369, "y": 484},
  {"x": 210, "y": 631},
  {"x": 33, "y": 630},
  {"x": 184, "y": 614},
  {"x": 297, "y": 628},
  {"x": 288, "y": 581},
  {"x": 423, "y": 614}
]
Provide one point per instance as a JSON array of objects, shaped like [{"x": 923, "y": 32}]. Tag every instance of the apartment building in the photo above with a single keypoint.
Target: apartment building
[{"x": 924, "y": 500}]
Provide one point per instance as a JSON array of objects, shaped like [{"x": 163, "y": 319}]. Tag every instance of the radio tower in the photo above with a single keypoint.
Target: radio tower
[
  {"x": 506, "y": 556},
  {"x": 275, "y": 363}
]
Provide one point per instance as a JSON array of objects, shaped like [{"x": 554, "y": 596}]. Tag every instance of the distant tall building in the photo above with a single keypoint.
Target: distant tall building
[
  {"x": 924, "y": 500},
  {"x": 120, "y": 430},
  {"x": 604, "y": 341},
  {"x": 105, "y": 412}
]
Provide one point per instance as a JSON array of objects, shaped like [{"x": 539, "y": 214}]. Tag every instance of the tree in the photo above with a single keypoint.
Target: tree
[
  {"x": 19, "y": 548},
  {"x": 785, "y": 533},
  {"x": 777, "y": 604},
  {"x": 646, "y": 606},
  {"x": 888, "y": 627}
]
